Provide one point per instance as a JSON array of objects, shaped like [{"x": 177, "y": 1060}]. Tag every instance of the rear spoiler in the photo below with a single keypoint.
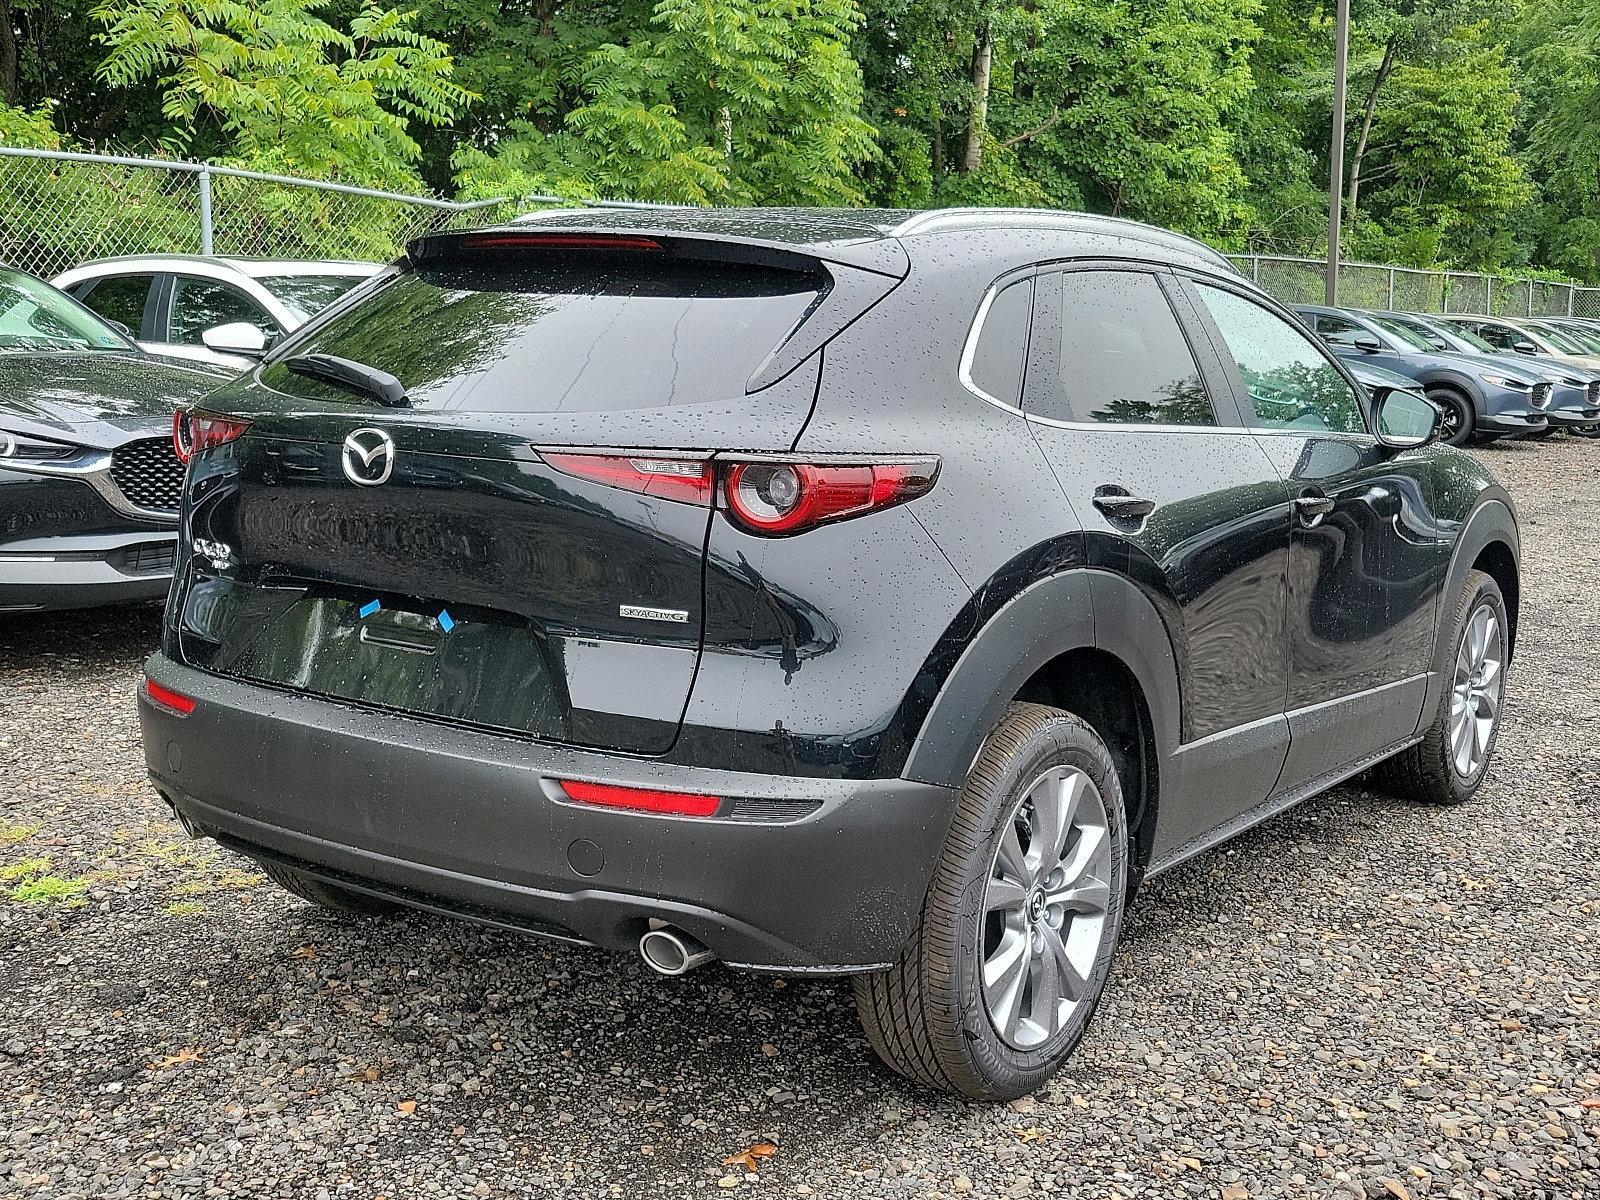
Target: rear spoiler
[{"x": 849, "y": 291}]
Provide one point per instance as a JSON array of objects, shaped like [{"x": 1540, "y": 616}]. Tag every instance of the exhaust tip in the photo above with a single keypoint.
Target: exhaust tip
[{"x": 668, "y": 951}]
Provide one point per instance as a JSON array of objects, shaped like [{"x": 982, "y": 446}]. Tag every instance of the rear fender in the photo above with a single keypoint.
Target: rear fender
[{"x": 1073, "y": 610}]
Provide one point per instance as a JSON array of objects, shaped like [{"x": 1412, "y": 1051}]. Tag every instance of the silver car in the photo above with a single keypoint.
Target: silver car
[{"x": 218, "y": 310}]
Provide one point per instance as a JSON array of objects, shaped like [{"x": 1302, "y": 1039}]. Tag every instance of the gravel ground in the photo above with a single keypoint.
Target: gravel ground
[{"x": 1359, "y": 998}]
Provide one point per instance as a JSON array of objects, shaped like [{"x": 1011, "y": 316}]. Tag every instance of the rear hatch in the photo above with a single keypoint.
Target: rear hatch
[{"x": 479, "y": 580}]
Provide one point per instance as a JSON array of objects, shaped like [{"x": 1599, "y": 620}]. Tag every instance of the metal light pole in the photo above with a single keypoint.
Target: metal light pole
[{"x": 1341, "y": 52}]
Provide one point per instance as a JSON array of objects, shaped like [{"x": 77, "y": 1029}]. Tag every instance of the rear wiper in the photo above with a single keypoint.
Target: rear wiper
[{"x": 380, "y": 385}]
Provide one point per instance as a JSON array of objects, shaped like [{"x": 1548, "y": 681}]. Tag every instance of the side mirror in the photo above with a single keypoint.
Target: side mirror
[
  {"x": 1366, "y": 343},
  {"x": 236, "y": 337},
  {"x": 118, "y": 326},
  {"x": 1439, "y": 343},
  {"x": 1404, "y": 419},
  {"x": 1525, "y": 348}
]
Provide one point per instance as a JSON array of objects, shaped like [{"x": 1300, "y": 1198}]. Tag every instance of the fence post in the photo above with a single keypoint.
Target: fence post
[
  {"x": 205, "y": 211},
  {"x": 1488, "y": 295},
  {"x": 1530, "y": 297},
  {"x": 1391, "y": 289},
  {"x": 1571, "y": 291},
  {"x": 1255, "y": 269}
]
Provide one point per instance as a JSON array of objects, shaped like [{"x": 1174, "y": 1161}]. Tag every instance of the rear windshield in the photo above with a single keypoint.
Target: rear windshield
[{"x": 574, "y": 332}]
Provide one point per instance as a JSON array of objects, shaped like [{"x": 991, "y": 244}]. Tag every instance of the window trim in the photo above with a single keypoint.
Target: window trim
[
  {"x": 1230, "y": 366},
  {"x": 1224, "y": 404}
]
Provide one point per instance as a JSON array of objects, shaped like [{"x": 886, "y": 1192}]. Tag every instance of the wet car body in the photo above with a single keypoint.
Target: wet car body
[
  {"x": 493, "y": 600},
  {"x": 89, "y": 483}
]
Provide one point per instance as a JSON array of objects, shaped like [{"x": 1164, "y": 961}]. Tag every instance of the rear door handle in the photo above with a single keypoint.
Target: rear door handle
[
  {"x": 1119, "y": 503},
  {"x": 1311, "y": 507}
]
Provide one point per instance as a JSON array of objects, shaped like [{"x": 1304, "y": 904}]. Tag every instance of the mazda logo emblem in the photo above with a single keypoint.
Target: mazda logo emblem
[{"x": 368, "y": 457}]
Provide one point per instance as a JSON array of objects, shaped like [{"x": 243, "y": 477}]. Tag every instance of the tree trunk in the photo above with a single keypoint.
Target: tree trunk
[
  {"x": 982, "y": 63},
  {"x": 1367, "y": 115},
  {"x": 9, "y": 58}
]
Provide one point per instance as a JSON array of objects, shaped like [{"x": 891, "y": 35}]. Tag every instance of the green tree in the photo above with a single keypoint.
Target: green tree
[
  {"x": 289, "y": 90},
  {"x": 742, "y": 101}
]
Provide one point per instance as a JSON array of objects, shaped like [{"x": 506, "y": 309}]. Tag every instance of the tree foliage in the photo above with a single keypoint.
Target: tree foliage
[
  {"x": 289, "y": 90},
  {"x": 1472, "y": 137}
]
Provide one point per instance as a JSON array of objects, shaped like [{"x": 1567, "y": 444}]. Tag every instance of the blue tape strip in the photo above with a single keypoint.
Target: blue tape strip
[
  {"x": 370, "y": 607},
  {"x": 446, "y": 622}
]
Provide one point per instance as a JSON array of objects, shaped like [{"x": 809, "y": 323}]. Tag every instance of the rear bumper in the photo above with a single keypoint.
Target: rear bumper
[
  {"x": 464, "y": 822},
  {"x": 83, "y": 572}
]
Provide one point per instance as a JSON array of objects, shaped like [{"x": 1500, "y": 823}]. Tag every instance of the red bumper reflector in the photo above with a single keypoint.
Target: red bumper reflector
[
  {"x": 167, "y": 698},
  {"x": 681, "y": 804}
]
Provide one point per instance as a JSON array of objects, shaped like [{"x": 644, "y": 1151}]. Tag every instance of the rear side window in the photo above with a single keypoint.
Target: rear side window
[
  {"x": 575, "y": 332},
  {"x": 121, "y": 298},
  {"x": 1002, "y": 346},
  {"x": 1339, "y": 331},
  {"x": 1123, "y": 357}
]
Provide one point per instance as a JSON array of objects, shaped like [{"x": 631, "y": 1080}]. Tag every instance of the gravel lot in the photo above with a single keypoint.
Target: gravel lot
[{"x": 1358, "y": 998}]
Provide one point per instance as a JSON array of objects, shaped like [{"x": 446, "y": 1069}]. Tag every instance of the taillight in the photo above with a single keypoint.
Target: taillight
[
  {"x": 167, "y": 698},
  {"x": 194, "y": 432},
  {"x": 771, "y": 495},
  {"x": 681, "y": 804},
  {"x": 775, "y": 497},
  {"x": 685, "y": 479}
]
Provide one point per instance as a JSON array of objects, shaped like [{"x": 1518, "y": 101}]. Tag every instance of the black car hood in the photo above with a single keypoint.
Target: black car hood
[{"x": 97, "y": 398}]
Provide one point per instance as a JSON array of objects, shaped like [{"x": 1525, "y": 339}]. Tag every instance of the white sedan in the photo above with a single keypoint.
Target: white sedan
[{"x": 214, "y": 309}]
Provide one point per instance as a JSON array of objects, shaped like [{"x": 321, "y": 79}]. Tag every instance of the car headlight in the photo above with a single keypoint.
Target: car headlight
[
  {"x": 14, "y": 447},
  {"x": 1505, "y": 381}
]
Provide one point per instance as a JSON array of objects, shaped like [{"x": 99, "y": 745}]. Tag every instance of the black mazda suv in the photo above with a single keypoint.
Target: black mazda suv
[{"x": 824, "y": 592}]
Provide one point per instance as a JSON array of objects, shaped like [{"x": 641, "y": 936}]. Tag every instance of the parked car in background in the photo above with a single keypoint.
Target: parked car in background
[
  {"x": 89, "y": 480},
  {"x": 218, "y": 310},
  {"x": 1526, "y": 338},
  {"x": 1481, "y": 395},
  {"x": 1575, "y": 395},
  {"x": 825, "y": 592}
]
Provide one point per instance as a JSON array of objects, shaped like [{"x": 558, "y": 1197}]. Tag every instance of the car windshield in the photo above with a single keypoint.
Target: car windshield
[
  {"x": 34, "y": 316},
  {"x": 1463, "y": 338},
  {"x": 1403, "y": 332},
  {"x": 1560, "y": 339},
  {"x": 1588, "y": 340},
  {"x": 304, "y": 295}
]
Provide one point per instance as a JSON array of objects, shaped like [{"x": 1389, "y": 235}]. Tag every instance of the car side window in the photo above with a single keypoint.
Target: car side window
[
  {"x": 1289, "y": 381},
  {"x": 1002, "y": 346},
  {"x": 202, "y": 304},
  {"x": 1338, "y": 331},
  {"x": 120, "y": 298},
  {"x": 1496, "y": 335},
  {"x": 1123, "y": 358}
]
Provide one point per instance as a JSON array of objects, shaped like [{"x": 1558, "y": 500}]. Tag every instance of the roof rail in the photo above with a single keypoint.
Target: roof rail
[{"x": 1049, "y": 218}]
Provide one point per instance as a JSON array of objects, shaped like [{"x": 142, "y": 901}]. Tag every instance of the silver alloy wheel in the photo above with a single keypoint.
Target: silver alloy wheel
[
  {"x": 1475, "y": 695},
  {"x": 1045, "y": 907}
]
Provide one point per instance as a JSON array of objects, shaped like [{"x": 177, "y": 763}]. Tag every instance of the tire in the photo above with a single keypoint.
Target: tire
[
  {"x": 1431, "y": 772},
  {"x": 1460, "y": 418},
  {"x": 929, "y": 1016},
  {"x": 323, "y": 894}
]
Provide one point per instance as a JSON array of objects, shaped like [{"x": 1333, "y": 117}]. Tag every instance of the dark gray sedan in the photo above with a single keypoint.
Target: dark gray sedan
[{"x": 89, "y": 480}]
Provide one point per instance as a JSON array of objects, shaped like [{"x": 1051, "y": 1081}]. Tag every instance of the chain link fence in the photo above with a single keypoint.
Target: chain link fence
[
  {"x": 1369, "y": 285},
  {"x": 61, "y": 208}
]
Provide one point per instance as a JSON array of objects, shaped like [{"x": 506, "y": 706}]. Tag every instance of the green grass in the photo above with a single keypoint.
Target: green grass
[
  {"x": 33, "y": 884},
  {"x": 10, "y": 835}
]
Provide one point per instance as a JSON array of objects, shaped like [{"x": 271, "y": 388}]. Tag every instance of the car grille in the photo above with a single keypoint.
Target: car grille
[
  {"x": 1541, "y": 395},
  {"x": 148, "y": 474},
  {"x": 1594, "y": 392}
]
